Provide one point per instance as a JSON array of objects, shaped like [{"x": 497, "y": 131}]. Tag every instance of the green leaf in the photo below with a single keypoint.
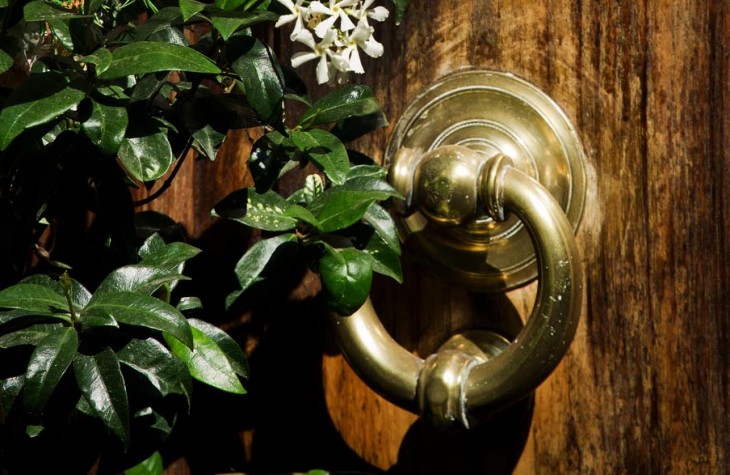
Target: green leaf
[
  {"x": 130, "y": 308},
  {"x": 171, "y": 256},
  {"x": 261, "y": 76},
  {"x": 32, "y": 298},
  {"x": 101, "y": 58},
  {"x": 382, "y": 222},
  {"x": 313, "y": 187},
  {"x": 269, "y": 156},
  {"x": 349, "y": 101},
  {"x": 44, "y": 11},
  {"x": 40, "y": 99},
  {"x": 371, "y": 171},
  {"x": 78, "y": 294},
  {"x": 355, "y": 127},
  {"x": 326, "y": 151},
  {"x": 47, "y": 365},
  {"x": 207, "y": 363},
  {"x": 400, "y": 10},
  {"x": 152, "y": 465},
  {"x": 207, "y": 140},
  {"x": 100, "y": 380},
  {"x": 30, "y": 336},
  {"x": 229, "y": 4},
  {"x": 254, "y": 261},
  {"x": 6, "y": 61},
  {"x": 189, "y": 304},
  {"x": 146, "y": 157},
  {"x": 145, "y": 57},
  {"x": 266, "y": 211},
  {"x": 151, "y": 359},
  {"x": 228, "y": 345},
  {"x": 385, "y": 260},
  {"x": 190, "y": 8},
  {"x": 9, "y": 391},
  {"x": 228, "y": 22},
  {"x": 106, "y": 126},
  {"x": 346, "y": 276},
  {"x": 137, "y": 278}
]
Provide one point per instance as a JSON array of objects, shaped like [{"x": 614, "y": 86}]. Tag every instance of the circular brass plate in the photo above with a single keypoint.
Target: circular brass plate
[{"x": 491, "y": 112}]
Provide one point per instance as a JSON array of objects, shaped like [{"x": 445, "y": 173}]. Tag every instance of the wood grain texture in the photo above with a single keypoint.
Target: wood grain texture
[{"x": 645, "y": 387}]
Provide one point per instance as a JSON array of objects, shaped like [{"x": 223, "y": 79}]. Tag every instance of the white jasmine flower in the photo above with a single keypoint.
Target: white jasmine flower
[
  {"x": 321, "y": 51},
  {"x": 299, "y": 15},
  {"x": 378, "y": 13},
  {"x": 336, "y": 10}
]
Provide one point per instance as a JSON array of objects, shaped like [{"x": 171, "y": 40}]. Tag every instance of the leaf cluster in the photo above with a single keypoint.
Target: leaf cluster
[{"x": 121, "y": 355}]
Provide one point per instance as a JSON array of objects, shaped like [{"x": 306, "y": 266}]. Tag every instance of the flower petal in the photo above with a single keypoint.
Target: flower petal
[
  {"x": 379, "y": 14},
  {"x": 302, "y": 57},
  {"x": 323, "y": 74},
  {"x": 325, "y": 25},
  {"x": 372, "y": 48}
]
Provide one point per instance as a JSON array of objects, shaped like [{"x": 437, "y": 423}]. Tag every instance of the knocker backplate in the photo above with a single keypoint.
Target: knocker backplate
[{"x": 490, "y": 112}]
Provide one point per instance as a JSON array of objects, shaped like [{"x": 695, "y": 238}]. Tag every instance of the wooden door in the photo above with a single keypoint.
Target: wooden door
[{"x": 645, "y": 387}]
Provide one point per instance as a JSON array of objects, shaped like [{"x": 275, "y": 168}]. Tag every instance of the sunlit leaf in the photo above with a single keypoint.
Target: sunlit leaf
[
  {"x": 326, "y": 151},
  {"x": 40, "y": 99},
  {"x": 228, "y": 345},
  {"x": 100, "y": 380},
  {"x": 189, "y": 8},
  {"x": 134, "y": 309},
  {"x": 228, "y": 22},
  {"x": 346, "y": 276},
  {"x": 153, "y": 361},
  {"x": 254, "y": 261},
  {"x": 261, "y": 76},
  {"x": 43, "y": 11},
  {"x": 32, "y": 297},
  {"x": 266, "y": 211},
  {"x": 47, "y": 365},
  {"x": 146, "y": 157},
  {"x": 137, "y": 278},
  {"x": 106, "y": 126},
  {"x": 207, "y": 362},
  {"x": 145, "y": 57},
  {"x": 348, "y": 101}
]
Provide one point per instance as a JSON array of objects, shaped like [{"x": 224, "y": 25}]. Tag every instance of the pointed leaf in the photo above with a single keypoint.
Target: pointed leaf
[
  {"x": 78, "y": 294},
  {"x": 349, "y": 101},
  {"x": 145, "y": 57},
  {"x": 152, "y": 465},
  {"x": 151, "y": 359},
  {"x": 228, "y": 22},
  {"x": 189, "y": 8},
  {"x": 207, "y": 363},
  {"x": 47, "y": 365},
  {"x": 171, "y": 256},
  {"x": 261, "y": 76},
  {"x": 254, "y": 261},
  {"x": 101, "y": 58},
  {"x": 400, "y": 10},
  {"x": 385, "y": 260},
  {"x": 228, "y": 345},
  {"x": 6, "y": 61},
  {"x": 130, "y": 308},
  {"x": 382, "y": 222},
  {"x": 137, "y": 278},
  {"x": 346, "y": 277},
  {"x": 266, "y": 211},
  {"x": 355, "y": 127},
  {"x": 106, "y": 126},
  {"x": 146, "y": 157},
  {"x": 208, "y": 140},
  {"x": 9, "y": 391},
  {"x": 43, "y": 11},
  {"x": 31, "y": 335},
  {"x": 229, "y": 4},
  {"x": 40, "y": 99},
  {"x": 32, "y": 298},
  {"x": 326, "y": 151},
  {"x": 100, "y": 380}
]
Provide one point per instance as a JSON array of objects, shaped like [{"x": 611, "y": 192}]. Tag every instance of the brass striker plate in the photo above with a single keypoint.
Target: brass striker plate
[{"x": 490, "y": 112}]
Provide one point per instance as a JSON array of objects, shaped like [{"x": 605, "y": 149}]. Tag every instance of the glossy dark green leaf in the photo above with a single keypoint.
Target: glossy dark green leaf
[
  {"x": 269, "y": 156},
  {"x": 43, "y": 11},
  {"x": 78, "y": 294},
  {"x": 190, "y": 8},
  {"x": 326, "y": 151},
  {"x": 47, "y": 365},
  {"x": 152, "y": 419},
  {"x": 400, "y": 10},
  {"x": 151, "y": 359},
  {"x": 6, "y": 61},
  {"x": 134, "y": 309},
  {"x": 385, "y": 260},
  {"x": 152, "y": 465},
  {"x": 355, "y": 127},
  {"x": 100, "y": 380},
  {"x": 9, "y": 391},
  {"x": 229, "y": 4},
  {"x": 101, "y": 58},
  {"x": 349, "y": 101},
  {"x": 146, "y": 157},
  {"x": 261, "y": 76},
  {"x": 346, "y": 277},
  {"x": 229, "y": 22},
  {"x": 40, "y": 99},
  {"x": 266, "y": 211},
  {"x": 207, "y": 141},
  {"x": 33, "y": 298},
  {"x": 106, "y": 126},
  {"x": 370, "y": 171},
  {"x": 189, "y": 304},
  {"x": 137, "y": 278},
  {"x": 145, "y": 57},
  {"x": 382, "y": 222},
  {"x": 313, "y": 187},
  {"x": 29, "y": 336},
  {"x": 343, "y": 206},
  {"x": 162, "y": 27},
  {"x": 228, "y": 345},
  {"x": 171, "y": 256},
  {"x": 207, "y": 362},
  {"x": 254, "y": 261}
]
